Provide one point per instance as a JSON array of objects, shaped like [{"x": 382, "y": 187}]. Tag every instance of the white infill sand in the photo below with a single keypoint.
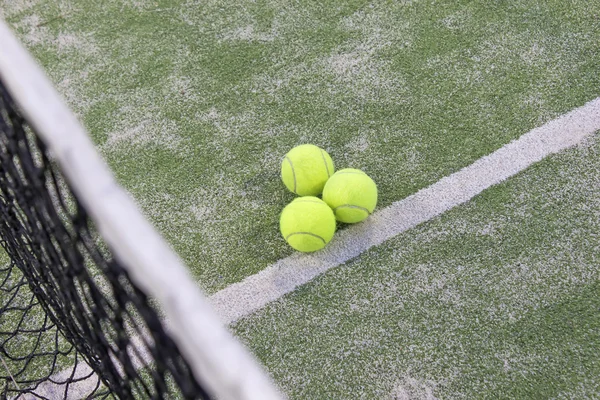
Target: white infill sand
[{"x": 254, "y": 292}]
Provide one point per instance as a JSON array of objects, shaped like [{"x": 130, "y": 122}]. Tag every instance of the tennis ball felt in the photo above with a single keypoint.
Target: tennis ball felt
[
  {"x": 305, "y": 169},
  {"x": 307, "y": 224},
  {"x": 351, "y": 194}
]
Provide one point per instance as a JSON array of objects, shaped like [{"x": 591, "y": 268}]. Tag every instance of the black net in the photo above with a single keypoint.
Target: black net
[{"x": 72, "y": 323}]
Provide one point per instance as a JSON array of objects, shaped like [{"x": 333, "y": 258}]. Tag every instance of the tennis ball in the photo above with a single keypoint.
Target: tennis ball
[
  {"x": 307, "y": 224},
  {"x": 351, "y": 194},
  {"x": 305, "y": 169}
]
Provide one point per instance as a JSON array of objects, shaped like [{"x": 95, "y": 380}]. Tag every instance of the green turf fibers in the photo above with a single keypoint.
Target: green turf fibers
[{"x": 194, "y": 103}]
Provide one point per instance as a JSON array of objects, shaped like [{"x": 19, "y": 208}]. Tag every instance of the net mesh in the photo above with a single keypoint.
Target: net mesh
[{"x": 72, "y": 323}]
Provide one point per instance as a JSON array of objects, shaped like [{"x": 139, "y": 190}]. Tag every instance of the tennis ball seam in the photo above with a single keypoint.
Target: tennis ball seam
[
  {"x": 293, "y": 172},
  {"x": 305, "y": 233},
  {"x": 350, "y": 172},
  {"x": 325, "y": 161},
  {"x": 302, "y": 200},
  {"x": 353, "y": 206}
]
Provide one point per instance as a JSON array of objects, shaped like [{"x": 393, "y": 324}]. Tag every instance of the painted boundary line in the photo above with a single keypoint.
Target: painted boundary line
[{"x": 256, "y": 291}]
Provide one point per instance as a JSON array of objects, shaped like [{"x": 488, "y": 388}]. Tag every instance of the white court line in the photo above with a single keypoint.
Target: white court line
[{"x": 256, "y": 291}]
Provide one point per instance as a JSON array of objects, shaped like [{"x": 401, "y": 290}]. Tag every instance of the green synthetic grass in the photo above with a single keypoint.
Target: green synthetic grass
[
  {"x": 22, "y": 313},
  {"x": 194, "y": 103},
  {"x": 497, "y": 298}
]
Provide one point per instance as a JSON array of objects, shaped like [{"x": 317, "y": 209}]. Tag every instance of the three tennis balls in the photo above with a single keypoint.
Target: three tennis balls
[{"x": 349, "y": 195}]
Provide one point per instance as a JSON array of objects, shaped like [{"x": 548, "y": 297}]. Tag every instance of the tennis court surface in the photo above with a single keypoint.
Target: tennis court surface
[{"x": 476, "y": 276}]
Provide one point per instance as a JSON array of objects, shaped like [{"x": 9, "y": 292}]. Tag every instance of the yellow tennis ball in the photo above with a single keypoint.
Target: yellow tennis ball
[
  {"x": 307, "y": 224},
  {"x": 305, "y": 169},
  {"x": 351, "y": 194}
]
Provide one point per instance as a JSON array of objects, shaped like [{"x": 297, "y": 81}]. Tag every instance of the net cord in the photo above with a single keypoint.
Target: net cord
[{"x": 218, "y": 360}]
